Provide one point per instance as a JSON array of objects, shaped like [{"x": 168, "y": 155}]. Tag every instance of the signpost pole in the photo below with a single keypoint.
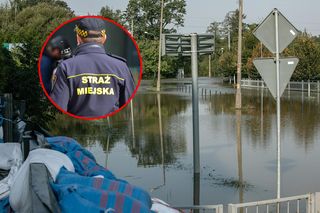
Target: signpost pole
[
  {"x": 239, "y": 64},
  {"x": 195, "y": 103},
  {"x": 269, "y": 69},
  {"x": 160, "y": 44},
  {"x": 209, "y": 65},
  {"x": 278, "y": 104}
]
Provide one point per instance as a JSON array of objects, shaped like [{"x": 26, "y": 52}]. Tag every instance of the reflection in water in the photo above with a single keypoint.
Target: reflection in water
[
  {"x": 161, "y": 143},
  {"x": 132, "y": 124},
  {"x": 150, "y": 144},
  {"x": 196, "y": 190},
  {"x": 107, "y": 150},
  {"x": 239, "y": 156},
  {"x": 302, "y": 115},
  {"x": 261, "y": 116}
]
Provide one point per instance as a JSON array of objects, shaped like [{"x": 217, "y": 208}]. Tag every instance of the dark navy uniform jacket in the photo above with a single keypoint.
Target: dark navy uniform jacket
[
  {"x": 92, "y": 83},
  {"x": 47, "y": 66}
]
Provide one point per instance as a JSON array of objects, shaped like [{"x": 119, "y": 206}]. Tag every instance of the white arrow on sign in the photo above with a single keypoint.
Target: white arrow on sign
[{"x": 267, "y": 69}]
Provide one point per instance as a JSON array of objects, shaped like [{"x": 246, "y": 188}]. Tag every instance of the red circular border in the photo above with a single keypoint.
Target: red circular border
[{"x": 140, "y": 61}]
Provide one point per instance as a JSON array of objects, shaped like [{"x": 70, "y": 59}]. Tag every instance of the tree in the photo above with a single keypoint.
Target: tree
[
  {"x": 308, "y": 51},
  {"x": 228, "y": 64},
  {"x": 37, "y": 22},
  {"x": 146, "y": 16},
  {"x": 149, "y": 52},
  {"x": 30, "y": 27},
  {"x": 115, "y": 15},
  {"x": 231, "y": 23},
  {"x": 7, "y": 67},
  {"x": 258, "y": 51}
]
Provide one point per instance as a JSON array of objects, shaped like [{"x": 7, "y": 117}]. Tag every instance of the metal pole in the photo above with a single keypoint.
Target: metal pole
[
  {"x": 309, "y": 88},
  {"x": 239, "y": 64},
  {"x": 8, "y": 114},
  {"x": 209, "y": 65},
  {"x": 195, "y": 103},
  {"x": 229, "y": 39},
  {"x": 278, "y": 106},
  {"x": 132, "y": 122},
  {"x": 160, "y": 43}
]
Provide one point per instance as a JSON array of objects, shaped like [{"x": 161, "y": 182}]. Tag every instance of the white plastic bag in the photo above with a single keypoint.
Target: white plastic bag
[
  {"x": 20, "y": 199},
  {"x": 10, "y": 159}
]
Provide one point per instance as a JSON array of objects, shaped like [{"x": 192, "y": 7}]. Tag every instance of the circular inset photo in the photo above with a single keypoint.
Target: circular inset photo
[{"x": 90, "y": 67}]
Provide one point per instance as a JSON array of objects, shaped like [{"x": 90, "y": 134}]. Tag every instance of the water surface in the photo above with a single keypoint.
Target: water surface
[{"x": 160, "y": 159}]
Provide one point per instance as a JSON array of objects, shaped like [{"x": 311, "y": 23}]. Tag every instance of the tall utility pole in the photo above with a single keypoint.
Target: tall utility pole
[
  {"x": 229, "y": 38},
  {"x": 160, "y": 41},
  {"x": 209, "y": 59},
  {"x": 238, "y": 94}
]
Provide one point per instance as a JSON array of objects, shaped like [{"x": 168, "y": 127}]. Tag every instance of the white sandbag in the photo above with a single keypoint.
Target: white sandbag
[
  {"x": 20, "y": 199},
  {"x": 10, "y": 159}
]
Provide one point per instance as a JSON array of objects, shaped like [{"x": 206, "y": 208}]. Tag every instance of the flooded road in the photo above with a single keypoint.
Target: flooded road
[{"x": 238, "y": 162}]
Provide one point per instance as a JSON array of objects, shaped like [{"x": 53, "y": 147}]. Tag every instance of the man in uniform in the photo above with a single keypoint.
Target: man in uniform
[
  {"x": 92, "y": 83},
  {"x": 54, "y": 52}
]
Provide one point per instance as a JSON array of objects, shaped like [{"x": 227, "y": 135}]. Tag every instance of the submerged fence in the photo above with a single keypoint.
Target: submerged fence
[
  {"x": 202, "y": 208},
  {"x": 307, "y": 203},
  {"x": 301, "y": 203},
  {"x": 302, "y": 86}
]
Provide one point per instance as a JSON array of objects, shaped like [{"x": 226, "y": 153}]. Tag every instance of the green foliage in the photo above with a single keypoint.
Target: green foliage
[
  {"x": 231, "y": 22},
  {"x": 7, "y": 67},
  {"x": 115, "y": 15},
  {"x": 228, "y": 64},
  {"x": 305, "y": 47},
  {"x": 29, "y": 26},
  {"x": 146, "y": 16},
  {"x": 37, "y": 22},
  {"x": 149, "y": 51},
  {"x": 308, "y": 51}
]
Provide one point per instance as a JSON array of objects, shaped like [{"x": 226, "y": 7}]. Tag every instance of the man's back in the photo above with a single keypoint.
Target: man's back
[{"x": 92, "y": 83}]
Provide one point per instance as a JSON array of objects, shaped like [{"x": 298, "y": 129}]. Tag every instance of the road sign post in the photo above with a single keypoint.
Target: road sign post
[
  {"x": 195, "y": 102},
  {"x": 191, "y": 45},
  {"x": 278, "y": 105},
  {"x": 276, "y": 33}
]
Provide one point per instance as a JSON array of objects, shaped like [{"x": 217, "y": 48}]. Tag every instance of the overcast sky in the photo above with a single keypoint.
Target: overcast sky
[{"x": 303, "y": 14}]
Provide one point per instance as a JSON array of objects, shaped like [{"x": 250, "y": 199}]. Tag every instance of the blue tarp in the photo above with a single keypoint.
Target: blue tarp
[
  {"x": 4, "y": 205},
  {"x": 65, "y": 177},
  {"x": 82, "y": 192},
  {"x": 83, "y": 161},
  {"x": 81, "y": 199}
]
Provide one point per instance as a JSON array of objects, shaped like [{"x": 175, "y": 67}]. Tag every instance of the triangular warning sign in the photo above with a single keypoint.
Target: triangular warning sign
[{"x": 267, "y": 69}]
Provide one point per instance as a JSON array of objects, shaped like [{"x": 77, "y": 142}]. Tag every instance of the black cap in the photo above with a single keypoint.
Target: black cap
[
  {"x": 90, "y": 24},
  {"x": 59, "y": 42}
]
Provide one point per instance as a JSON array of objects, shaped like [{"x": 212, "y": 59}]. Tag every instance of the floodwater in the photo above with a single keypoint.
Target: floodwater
[{"x": 160, "y": 159}]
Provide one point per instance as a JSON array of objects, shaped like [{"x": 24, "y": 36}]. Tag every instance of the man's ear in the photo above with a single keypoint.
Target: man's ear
[
  {"x": 79, "y": 40},
  {"x": 104, "y": 39}
]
